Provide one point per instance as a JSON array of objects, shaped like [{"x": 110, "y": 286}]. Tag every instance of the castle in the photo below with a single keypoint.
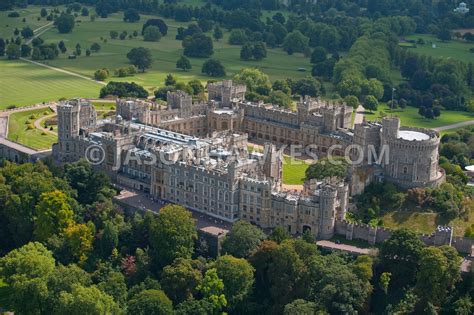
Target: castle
[{"x": 195, "y": 154}]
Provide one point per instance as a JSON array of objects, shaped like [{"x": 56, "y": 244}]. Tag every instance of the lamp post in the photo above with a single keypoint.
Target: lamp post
[{"x": 391, "y": 104}]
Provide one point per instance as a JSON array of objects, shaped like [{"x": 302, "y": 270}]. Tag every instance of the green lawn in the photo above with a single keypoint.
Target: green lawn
[
  {"x": 46, "y": 85},
  {"x": 294, "y": 171},
  {"x": 409, "y": 117},
  {"x": 18, "y": 131},
  {"x": 455, "y": 49},
  {"x": 102, "y": 106},
  {"x": 5, "y": 293},
  {"x": 22, "y": 84}
]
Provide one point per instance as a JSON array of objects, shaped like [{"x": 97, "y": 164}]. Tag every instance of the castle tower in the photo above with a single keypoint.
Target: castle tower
[
  {"x": 390, "y": 127},
  {"x": 72, "y": 116},
  {"x": 327, "y": 204},
  {"x": 272, "y": 166}
]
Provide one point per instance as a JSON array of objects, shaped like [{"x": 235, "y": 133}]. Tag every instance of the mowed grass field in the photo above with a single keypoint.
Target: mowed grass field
[
  {"x": 34, "y": 138},
  {"x": 294, "y": 171},
  {"x": 409, "y": 117},
  {"x": 22, "y": 83},
  {"x": 278, "y": 64},
  {"x": 453, "y": 49}
]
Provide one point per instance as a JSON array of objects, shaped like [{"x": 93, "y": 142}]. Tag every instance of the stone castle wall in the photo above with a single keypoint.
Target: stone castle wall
[{"x": 376, "y": 235}]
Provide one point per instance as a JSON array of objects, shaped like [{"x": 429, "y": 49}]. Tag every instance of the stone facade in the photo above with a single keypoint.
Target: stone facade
[
  {"x": 195, "y": 154},
  {"x": 214, "y": 175}
]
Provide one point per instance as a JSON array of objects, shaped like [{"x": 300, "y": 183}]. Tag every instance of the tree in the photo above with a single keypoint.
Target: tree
[
  {"x": 140, "y": 57},
  {"x": 152, "y": 34},
  {"x": 212, "y": 288},
  {"x": 180, "y": 280},
  {"x": 25, "y": 50},
  {"x": 197, "y": 87},
  {"x": 306, "y": 86},
  {"x": 438, "y": 273},
  {"x": 2, "y": 47},
  {"x": 123, "y": 89},
  {"x": 26, "y": 271},
  {"x": 85, "y": 11},
  {"x": 300, "y": 306},
  {"x": 237, "y": 37},
  {"x": 43, "y": 12},
  {"x": 95, "y": 47},
  {"x": 156, "y": 22},
  {"x": 279, "y": 234},
  {"x": 170, "y": 80},
  {"x": 150, "y": 302},
  {"x": 27, "y": 32},
  {"x": 281, "y": 99},
  {"x": 172, "y": 235},
  {"x": 62, "y": 46},
  {"x": 88, "y": 52},
  {"x": 246, "y": 52},
  {"x": 254, "y": 79},
  {"x": 78, "y": 50},
  {"x": 113, "y": 34},
  {"x": 86, "y": 300},
  {"x": 326, "y": 168},
  {"x": 198, "y": 45},
  {"x": 89, "y": 183},
  {"x": 65, "y": 23},
  {"x": 213, "y": 68},
  {"x": 371, "y": 103},
  {"x": 237, "y": 275},
  {"x": 400, "y": 255},
  {"x": 259, "y": 51},
  {"x": 78, "y": 240},
  {"x": 242, "y": 240},
  {"x": 352, "y": 101},
  {"x": 109, "y": 240},
  {"x": 183, "y": 63},
  {"x": 54, "y": 214},
  {"x": 217, "y": 34},
  {"x": 295, "y": 42},
  {"x": 384, "y": 281},
  {"x": 13, "y": 51},
  {"x": 131, "y": 15},
  {"x": 319, "y": 55}
]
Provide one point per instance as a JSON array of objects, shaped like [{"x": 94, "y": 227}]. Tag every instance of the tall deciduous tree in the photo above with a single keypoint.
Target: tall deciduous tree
[
  {"x": 54, "y": 214},
  {"x": 242, "y": 240},
  {"x": 180, "y": 279},
  {"x": 237, "y": 275},
  {"x": 141, "y": 58},
  {"x": 172, "y": 235}
]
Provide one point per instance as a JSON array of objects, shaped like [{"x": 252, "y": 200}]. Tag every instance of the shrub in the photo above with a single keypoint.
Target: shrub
[
  {"x": 30, "y": 127},
  {"x": 14, "y": 14}
]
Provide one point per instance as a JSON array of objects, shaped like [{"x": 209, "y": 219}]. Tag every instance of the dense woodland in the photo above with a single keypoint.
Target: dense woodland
[{"x": 66, "y": 248}]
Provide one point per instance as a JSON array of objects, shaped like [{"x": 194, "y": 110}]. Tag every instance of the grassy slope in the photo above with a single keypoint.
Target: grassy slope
[
  {"x": 24, "y": 84},
  {"x": 453, "y": 49},
  {"x": 424, "y": 222},
  {"x": 278, "y": 65},
  {"x": 17, "y": 130},
  {"x": 409, "y": 117}
]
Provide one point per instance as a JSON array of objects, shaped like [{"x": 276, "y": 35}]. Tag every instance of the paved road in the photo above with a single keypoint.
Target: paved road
[
  {"x": 456, "y": 125},
  {"x": 63, "y": 71},
  {"x": 40, "y": 31}
]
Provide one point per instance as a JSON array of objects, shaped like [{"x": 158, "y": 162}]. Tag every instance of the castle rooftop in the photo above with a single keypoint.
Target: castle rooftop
[{"x": 411, "y": 135}]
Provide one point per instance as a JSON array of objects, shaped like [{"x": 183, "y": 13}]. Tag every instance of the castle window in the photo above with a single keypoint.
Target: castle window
[{"x": 405, "y": 170}]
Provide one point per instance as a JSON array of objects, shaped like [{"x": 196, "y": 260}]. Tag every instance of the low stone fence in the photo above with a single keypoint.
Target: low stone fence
[{"x": 374, "y": 235}]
